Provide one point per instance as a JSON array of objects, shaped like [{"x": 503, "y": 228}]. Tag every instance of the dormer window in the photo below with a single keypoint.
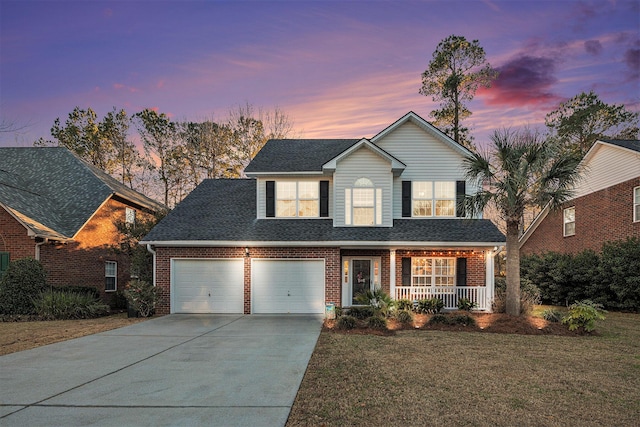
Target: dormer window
[{"x": 363, "y": 204}]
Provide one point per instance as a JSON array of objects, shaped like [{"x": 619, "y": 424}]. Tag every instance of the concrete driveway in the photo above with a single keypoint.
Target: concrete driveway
[{"x": 176, "y": 370}]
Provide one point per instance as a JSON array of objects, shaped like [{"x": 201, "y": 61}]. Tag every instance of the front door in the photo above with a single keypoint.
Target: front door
[{"x": 359, "y": 275}]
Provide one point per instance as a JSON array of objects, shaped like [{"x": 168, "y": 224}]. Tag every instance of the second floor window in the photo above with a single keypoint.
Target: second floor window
[
  {"x": 363, "y": 204},
  {"x": 297, "y": 199},
  {"x": 431, "y": 198}
]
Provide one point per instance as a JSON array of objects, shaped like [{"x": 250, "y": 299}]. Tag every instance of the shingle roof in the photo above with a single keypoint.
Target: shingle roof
[
  {"x": 293, "y": 155},
  {"x": 224, "y": 210},
  {"x": 54, "y": 193},
  {"x": 631, "y": 144}
]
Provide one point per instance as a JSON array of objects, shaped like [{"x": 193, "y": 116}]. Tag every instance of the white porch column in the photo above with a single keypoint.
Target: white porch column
[
  {"x": 392, "y": 273},
  {"x": 490, "y": 278}
]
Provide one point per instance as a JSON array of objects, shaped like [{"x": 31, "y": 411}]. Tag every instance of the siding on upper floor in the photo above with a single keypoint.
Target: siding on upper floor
[
  {"x": 426, "y": 158},
  {"x": 608, "y": 166},
  {"x": 362, "y": 163}
]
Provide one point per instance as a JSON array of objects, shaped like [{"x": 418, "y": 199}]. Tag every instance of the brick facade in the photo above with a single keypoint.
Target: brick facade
[
  {"x": 80, "y": 262},
  {"x": 605, "y": 215},
  {"x": 476, "y": 267}
]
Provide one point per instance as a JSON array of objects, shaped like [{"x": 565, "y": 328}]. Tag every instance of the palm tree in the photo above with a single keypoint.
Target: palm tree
[{"x": 518, "y": 172}]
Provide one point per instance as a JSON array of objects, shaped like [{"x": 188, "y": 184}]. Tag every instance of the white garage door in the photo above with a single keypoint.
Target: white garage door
[
  {"x": 287, "y": 286},
  {"x": 207, "y": 286}
]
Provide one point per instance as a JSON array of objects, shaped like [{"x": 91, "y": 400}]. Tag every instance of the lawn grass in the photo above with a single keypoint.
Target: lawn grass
[{"x": 478, "y": 379}]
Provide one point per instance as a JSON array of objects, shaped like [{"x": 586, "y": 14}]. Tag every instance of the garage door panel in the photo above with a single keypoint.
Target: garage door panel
[
  {"x": 208, "y": 286},
  {"x": 288, "y": 286}
]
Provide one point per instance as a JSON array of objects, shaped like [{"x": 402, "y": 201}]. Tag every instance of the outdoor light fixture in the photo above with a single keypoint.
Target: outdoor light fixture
[{"x": 246, "y": 252}]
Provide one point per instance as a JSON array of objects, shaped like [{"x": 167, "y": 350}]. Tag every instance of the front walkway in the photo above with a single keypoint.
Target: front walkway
[{"x": 176, "y": 370}]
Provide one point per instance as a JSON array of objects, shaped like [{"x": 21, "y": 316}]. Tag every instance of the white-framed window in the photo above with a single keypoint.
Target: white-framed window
[
  {"x": 433, "y": 198},
  {"x": 363, "y": 204},
  {"x": 297, "y": 199},
  {"x": 110, "y": 276},
  {"x": 433, "y": 271},
  {"x": 569, "y": 221},
  {"x": 130, "y": 216},
  {"x": 636, "y": 204}
]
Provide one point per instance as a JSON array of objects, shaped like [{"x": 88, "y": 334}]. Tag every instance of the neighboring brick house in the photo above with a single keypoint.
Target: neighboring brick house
[
  {"x": 60, "y": 210},
  {"x": 319, "y": 221},
  {"x": 606, "y": 205}
]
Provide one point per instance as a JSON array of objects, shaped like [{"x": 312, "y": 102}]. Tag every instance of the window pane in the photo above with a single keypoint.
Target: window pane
[
  {"x": 445, "y": 208},
  {"x": 110, "y": 284},
  {"x": 363, "y": 182},
  {"x": 637, "y": 217},
  {"x": 421, "y": 190},
  {"x": 570, "y": 229},
  {"x": 363, "y": 216},
  {"x": 422, "y": 208},
  {"x": 308, "y": 190},
  {"x": 637, "y": 195},
  {"x": 445, "y": 190},
  {"x": 569, "y": 215},
  {"x": 110, "y": 268},
  {"x": 308, "y": 208},
  {"x": 285, "y": 190},
  {"x": 286, "y": 208},
  {"x": 363, "y": 197},
  {"x": 378, "y": 206}
]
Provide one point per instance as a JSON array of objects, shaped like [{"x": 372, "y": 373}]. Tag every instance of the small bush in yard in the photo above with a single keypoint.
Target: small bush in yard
[
  {"x": 552, "y": 315},
  {"x": 142, "y": 297},
  {"x": 362, "y": 312},
  {"x": 583, "y": 314},
  {"x": 462, "y": 319},
  {"x": 466, "y": 304},
  {"x": 430, "y": 305},
  {"x": 404, "y": 316},
  {"x": 346, "y": 322},
  {"x": 377, "y": 322},
  {"x": 404, "y": 304},
  {"x": 63, "y": 305},
  {"x": 23, "y": 281}
]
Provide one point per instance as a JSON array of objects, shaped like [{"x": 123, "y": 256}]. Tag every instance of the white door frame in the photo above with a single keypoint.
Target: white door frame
[{"x": 346, "y": 275}]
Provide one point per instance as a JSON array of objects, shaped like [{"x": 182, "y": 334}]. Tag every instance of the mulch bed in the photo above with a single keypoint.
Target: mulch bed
[{"x": 499, "y": 323}]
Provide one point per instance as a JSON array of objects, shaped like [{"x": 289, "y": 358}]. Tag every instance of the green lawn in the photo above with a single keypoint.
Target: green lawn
[{"x": 433, "y": 378}]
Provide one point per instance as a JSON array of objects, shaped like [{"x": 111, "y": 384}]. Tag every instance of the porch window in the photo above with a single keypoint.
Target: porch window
[
  {"x": 363, "y": 204},
  {"x": 110, "y": 276},
  {"x": 434, "y": 198},
  {"x": 569, "y": 221},
  {"x": 297, "y": 199},
  {"x": 433, "y": 271},
  {"x": 636, "y": 204}
]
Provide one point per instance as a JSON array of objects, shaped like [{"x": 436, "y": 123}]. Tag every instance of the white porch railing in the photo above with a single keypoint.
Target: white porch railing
[{"x": 448, "y": 294}]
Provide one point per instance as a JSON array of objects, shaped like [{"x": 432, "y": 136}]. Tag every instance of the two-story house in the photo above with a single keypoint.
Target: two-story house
[{"x": 319, "y": 221}]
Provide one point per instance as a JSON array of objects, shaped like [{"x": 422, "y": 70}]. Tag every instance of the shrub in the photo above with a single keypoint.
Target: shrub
[
  {"x": 55, "y": 304},
  {"x": 404, "y": 316},
  {"x": 118, "y": 300},
  {"x": 462, "y": 319},
  {"x": 379, "y": 300},
  {"x": 620, "y": 273},
  {"x": 377, "y": 322},
  {"x": 438, "y": 319},
  {"x": 362, "y": 312},
  {"x": 23, "y": 281},
  {"x": 552, "y": 315},
  {"x": 346, "y": 322},
  {"x": 430, "y": 305},
  {"x": 94, "y": 292},
  {"x": 404, "y": 304},
  {"x": 583, "y": 314},
  {"x": 141, "y": 296},
  {"x": 466, "y": 304},
  {"x": 529, "y": 295}
]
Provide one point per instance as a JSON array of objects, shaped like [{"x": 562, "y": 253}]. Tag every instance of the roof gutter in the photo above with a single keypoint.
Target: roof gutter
[{"x": 342, "y": 244}]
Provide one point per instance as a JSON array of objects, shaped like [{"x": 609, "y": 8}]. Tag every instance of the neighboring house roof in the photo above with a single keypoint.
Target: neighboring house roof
[
  {"x": 610, "y": 171},
  {"x": 53, "y": 193},
  {"x": 223, "y": 212},
  {"x": 293, "y": 155}
]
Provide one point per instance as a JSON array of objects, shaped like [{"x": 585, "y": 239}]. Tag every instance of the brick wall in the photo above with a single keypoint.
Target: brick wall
[
  {"x": 164, "y": 256},
  {"x": 14, "y": 238},
  {"x": 476, "y": 271},
  {"x": 605, "y": 215}
]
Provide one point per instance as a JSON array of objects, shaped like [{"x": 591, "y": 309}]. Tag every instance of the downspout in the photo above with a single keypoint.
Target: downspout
[
  {"x": 153, "y": 252},
  {"x": 37, "y": 254}
]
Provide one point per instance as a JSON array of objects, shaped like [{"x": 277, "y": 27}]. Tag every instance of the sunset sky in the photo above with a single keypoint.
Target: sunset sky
[{"x": 338, "y": 69}]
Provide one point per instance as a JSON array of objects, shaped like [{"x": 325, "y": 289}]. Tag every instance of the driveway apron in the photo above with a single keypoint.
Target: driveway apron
[{"x": 176, "y": 370}]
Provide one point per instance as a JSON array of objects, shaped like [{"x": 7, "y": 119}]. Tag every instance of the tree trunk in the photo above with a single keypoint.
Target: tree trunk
[{"x": 513, "y": 269}]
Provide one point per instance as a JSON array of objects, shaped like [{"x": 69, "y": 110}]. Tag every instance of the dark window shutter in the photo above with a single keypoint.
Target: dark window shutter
[
  {"x": 271, "y": 199},
  {"x": 4, "y": 262},
  {"x": 406, "y": 199},
  {"x": 461, "y": 189},
  {"x": 406, "y": 271},
  {"x": 461, "y": 272},
  {"x": 324, "y": 198}
]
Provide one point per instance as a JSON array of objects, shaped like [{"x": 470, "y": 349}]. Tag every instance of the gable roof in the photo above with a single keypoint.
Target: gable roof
[
  {"x": 53, "y": 193},
  {"x": 427, "y": 127},
  {"x": 293, "y": 155},
  {"x": 222, "y": 212},
  {"x": 396, "y": 165}
]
